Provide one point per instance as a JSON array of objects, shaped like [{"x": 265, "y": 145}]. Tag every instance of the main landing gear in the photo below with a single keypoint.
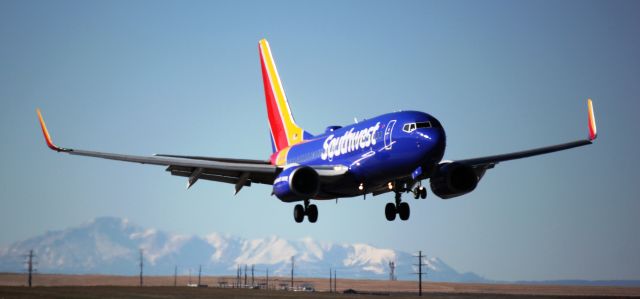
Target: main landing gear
[
  {"x": 419, "y": 192},
  {"x": 400, "y": 208},
  {"x": 311, "y": 211}
]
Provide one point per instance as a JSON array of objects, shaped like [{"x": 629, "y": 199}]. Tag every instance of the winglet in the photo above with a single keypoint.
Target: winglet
[
  {"x": 47, "y": 137},
  {"x": 593, "y": 133}
]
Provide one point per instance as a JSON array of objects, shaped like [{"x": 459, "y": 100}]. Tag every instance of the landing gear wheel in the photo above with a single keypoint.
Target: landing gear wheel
[
  {"x": 423, "y": 192},
  {"x": 312, "y": 213},
  {"x": 298, "y": 213},
  {"x": 416, "y": 193},
  {"x": 390, "y": 211},
  {"x": 404, "y": 211}
]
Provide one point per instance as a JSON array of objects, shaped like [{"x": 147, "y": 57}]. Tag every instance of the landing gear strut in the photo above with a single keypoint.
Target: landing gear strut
[
  {"x": 401, "y": 208},
  {"x": 311, "y": 211},
  {"x": 419, "y": 192}
]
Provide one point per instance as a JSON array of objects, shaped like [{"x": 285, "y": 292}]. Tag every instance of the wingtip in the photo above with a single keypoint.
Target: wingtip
[
  {"x": 47, "y": 137},
  {"x": 593, "y": 132}
]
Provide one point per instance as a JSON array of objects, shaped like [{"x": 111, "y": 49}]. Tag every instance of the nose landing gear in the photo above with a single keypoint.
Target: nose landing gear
[
  {"x": 401, "y": 208},
  {"x": 311, "y": 211}
]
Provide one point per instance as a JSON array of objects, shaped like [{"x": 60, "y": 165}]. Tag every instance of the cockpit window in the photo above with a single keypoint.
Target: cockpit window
[{"x": 409, "y": 127}]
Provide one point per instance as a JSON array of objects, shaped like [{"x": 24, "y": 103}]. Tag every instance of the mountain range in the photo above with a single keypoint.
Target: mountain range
[{"x": 110, "y": 245}]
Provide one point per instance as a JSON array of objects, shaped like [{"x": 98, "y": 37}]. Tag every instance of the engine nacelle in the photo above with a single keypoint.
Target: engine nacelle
[
  {"x": 296, "y": 183},
  {"x": 453, "y": 179}
]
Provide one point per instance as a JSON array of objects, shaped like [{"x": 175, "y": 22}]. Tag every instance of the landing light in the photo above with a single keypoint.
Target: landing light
[
  {"x": 390, "y": 186},
  {"x": 361, "y": 187}
]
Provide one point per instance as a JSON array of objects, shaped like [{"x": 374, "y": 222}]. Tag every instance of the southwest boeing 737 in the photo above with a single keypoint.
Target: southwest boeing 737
[{"x": 392, "y": 152}]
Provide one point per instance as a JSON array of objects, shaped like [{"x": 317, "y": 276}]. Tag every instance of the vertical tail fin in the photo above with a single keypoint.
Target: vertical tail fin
[{"x": 284, "y": 130}]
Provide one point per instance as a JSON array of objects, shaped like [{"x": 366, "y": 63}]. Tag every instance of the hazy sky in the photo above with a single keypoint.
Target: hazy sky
[{"x": 144, "y": 77}]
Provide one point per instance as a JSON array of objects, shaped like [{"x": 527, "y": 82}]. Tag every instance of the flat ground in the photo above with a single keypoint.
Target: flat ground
[{"x": 102, "y": 286}]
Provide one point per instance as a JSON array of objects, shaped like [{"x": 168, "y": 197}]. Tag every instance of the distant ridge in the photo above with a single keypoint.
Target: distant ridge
[
  {"x": 578, "y": 282},
  {"x": 110, "y": 245}
]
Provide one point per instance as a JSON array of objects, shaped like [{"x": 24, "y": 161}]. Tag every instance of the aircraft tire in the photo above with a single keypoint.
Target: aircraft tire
[
  {"x": 390, "y": 211},
  {"x": 423, "y": 193},
  {"x": 312, "y": 213},
  {"x": 404, "y": 211},
  {"x": 298, "y": 213}
]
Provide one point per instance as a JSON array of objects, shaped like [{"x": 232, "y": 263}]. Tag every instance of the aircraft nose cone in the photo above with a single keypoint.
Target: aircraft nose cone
[{"x": 431, "y": 144}]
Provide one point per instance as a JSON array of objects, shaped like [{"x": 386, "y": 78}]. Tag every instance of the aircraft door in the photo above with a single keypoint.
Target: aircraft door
[{"x": 388, "y": 142}]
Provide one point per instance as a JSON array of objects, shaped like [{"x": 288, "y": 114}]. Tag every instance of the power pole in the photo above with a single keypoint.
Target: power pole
[
  {"x": 238, "y": 273},
  {"x": 245, "y": 275},
  {"x": 335, "y": 281},
  {"x": 199, "y": 274},
  {"x": 330, "y": 281},
  {"x": 141, "y": 266},
  {"x": 267, "y": 279},
  {"x": 392, "y": 271},
  {"x": 252, "y": 281},
  {"x": 420, "y": 273},
  {"x": 175, "y": 276},
  {"x": 292, "y": 266},
  {"x": 30, "y": 268}
]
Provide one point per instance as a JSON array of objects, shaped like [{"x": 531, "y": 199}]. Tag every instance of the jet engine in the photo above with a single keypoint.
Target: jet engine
[
  {"x": 453, "y": 179},
  {"x": 296, "y": 183}
]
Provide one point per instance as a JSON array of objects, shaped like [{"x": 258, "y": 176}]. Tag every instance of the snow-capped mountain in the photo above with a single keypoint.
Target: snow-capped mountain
[{"x": 111, "y": 246}]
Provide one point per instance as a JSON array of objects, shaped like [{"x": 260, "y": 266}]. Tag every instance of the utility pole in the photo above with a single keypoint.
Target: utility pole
[
  {"x": 335, "y": 281},
  {"x": 245, "y": 275},
  {"x": 267, "y": 279},
  {"x": 292, "y": 266},
  {"x": 420, "y": 273},
  {"x": 330, "y": 281},
  {"x": 175, "y": 276},
  {"x": 141, "y": 266},
  {"x": 30, "y": 268},
  {"x": 252, "y": 281},
  {"x": 199, "y": 274},
  {"x": 392, "y": 271},
  {"x": 238, "y": 273}
]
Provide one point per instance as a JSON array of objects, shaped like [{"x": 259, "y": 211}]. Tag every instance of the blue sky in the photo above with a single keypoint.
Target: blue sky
[{"x": 148, "y": 77}]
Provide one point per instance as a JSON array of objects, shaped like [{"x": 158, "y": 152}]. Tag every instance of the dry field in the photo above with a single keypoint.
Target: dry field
[{"x": 102, "y": 286}]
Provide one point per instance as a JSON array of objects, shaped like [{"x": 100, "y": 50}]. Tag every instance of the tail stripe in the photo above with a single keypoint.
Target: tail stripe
[{"x": 284, "y": 130}]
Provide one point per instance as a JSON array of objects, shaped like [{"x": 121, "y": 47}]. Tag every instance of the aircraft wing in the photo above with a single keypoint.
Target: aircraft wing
[
  {"x": 481, "y": 164},
  {"x": 241, "y": 172}
]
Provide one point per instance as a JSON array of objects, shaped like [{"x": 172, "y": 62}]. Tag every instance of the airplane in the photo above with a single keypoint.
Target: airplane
[{"x": 393, "y": 152}]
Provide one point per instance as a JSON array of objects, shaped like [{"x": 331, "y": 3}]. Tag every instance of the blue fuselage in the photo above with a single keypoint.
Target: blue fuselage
[{"x": 387, "y": 148}]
